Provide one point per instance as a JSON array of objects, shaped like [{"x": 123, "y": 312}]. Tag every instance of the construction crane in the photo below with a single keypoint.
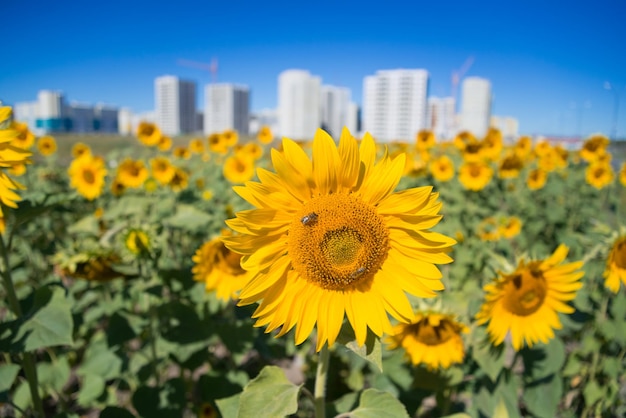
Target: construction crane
[
  {"x": 211, "y": 67},
  {"x": 457, "y": 75}
]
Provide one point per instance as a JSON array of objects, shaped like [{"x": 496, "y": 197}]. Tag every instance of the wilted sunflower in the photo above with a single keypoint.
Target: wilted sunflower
[
  {"x": 510, "y": 166},
  {"x": 475, "y": 176},
  {"x": 594, "y": 147},
  {"x": 148, "y": 133},
  {"x": 162, "y": 169},
  {"x": 331, "y": 235},
  {"x": 25, "y": 138},
  {"x": 425, "y": 139},
  {"x": 220, "y": 269},
  {"x": 526, "y": 302},
  {"x": 87, "y": 175},
  {"x": 79, "y": 149},
  {"x": 238, "y": 168},
  {"x": 132, "y": 173},
  {"x": 616, "y": 265},
  {"x": 265, "y": 135},
  {"x": 442, "y": 168},
  {"x": 46, "y": 145},
  {"x": 537, "y": 178},
  {"x": 599, "y": 175},
  {"x": 433, "y": 339}
]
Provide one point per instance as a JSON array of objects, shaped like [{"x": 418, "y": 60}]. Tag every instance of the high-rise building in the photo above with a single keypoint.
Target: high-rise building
[
  {"x": 82, "y": 117},
  {"x": 508, "y": 126},
  {"x": 226, "y": 106},
  {"x": 125, "y": 121},
  {"x": 476, "y": 105},
  {"x": 106, "y": 118},
  {"x": 51, "y": 112},
  {"x": 175, "y": 105},
  {"x": 299, "y": 111},
  {"x": 335, "y": 108},
  {"x": 441, "y": 117},
  {"x": 394, "y": 104}
]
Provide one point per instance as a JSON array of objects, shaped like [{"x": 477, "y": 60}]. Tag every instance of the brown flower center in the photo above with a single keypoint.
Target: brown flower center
[{"x": 525, "y": 290}]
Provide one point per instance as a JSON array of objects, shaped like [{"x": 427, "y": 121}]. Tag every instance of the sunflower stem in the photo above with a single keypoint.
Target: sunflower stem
[
  {"x": 28, "y": 360},
  {"x": 320, "y": 383}
]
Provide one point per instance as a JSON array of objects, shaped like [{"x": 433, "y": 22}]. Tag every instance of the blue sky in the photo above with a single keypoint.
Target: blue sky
[{"x": 546, "y": 60}]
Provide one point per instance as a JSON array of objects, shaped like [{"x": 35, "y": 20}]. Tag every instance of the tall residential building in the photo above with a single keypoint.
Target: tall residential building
[
  {"x": 394, "y": 104},
  {"x": 299, "y": 111},
  {"x": 476, "y": 105},
  {"x": 508, "y": 126},
  {"x": 82, "y": 117},
  {"x": 51, "y": 111},
  {"x": 175, "y": 105},
  {"x": 335, "y": 108},
  {"x": 441, "y": 117},
  {"x": 226, "y": 106}
]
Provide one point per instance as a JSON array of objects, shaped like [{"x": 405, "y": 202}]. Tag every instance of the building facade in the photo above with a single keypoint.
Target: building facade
[
  {"x": 335, "y": 108},
  {"x": 476, "y": 105},
  {"x": 226, "y": 106},
  {"x": 441, "y": 118},
  {"x": 299, "y": 110},
  {"x": 175, "y": 105},
  {"x": 394, "y": 104}
]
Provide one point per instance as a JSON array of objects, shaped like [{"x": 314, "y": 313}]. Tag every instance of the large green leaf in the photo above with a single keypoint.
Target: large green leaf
[
  {"x": 377, "y": 404},
  {"x": 489, "y": 358},
  {"x": 188, "y": 217},
  {"x": 269, "y": 395},
  {"x": 53, "y": 376},
  {"x": 229, "y": 407},
  {"x": 100, "y": 360},
  {"x": 543, "y": 360},
  {"x": 370, "y": 351},
  {"x": 542, "y": 397},
  {"x": 90, "y": 390},
  {"x": 8, "y": 372}
]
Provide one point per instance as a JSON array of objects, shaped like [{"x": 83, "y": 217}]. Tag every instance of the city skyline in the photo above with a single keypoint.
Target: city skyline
[{"x": 547, "y": 63}]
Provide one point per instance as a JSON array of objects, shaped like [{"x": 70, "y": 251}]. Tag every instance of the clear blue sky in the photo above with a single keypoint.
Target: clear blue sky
[{"x": 546, "y": 60}]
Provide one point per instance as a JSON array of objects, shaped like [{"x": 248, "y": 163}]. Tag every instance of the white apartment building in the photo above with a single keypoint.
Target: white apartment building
[
  {"x": 226, "y": 106},
  {"x": 264, "y": 117},
  {"x": 299, "y": 110},
  {"x": 508, "y": 126},
  {"x": 175, "y": 105},
  {"x": 476, "y": 105},
  {"x": 441, "y": 117},
  {"x": 394, "y": 104},
  {"x": 335, "y": 108},
  {"x": 125, "y": 121}
]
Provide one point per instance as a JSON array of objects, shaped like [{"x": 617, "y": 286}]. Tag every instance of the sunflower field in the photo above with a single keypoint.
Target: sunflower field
[{"x": 230, "y": 276}]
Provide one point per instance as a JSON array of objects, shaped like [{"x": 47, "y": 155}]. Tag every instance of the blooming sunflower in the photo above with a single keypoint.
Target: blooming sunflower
[
  {"x": 79, "y": 149},
  {"x": 46, "y": 145},
  {"x": 537, "y": 179},
  {"x": 220, "y": 269},
  {"x": 442, "y": 168},
  {"x": 510, "y": 166},
  {"x": 488, "y": 230},
  {"x": 25, "y": 138},
  {"x": 622, "y": 175},
  {"x": 230, "y": 137},
  {"x": 165, "y": 143},
  {"x": 463, "y": 138},
  {"x": 182, "y": 152},
  {"x": 149, "y": 134},
  {"x": 594, "y": 147},
  {"x": 616, "y": 265},
  {"x": 491, "y": 145},
  {"x": 132, "y": 173},
  {"x": 117, "y": 188},
  {"x": 17, "y": 170},
  {"x": 238, "y": 168},
  {"x": 523, "y": 146},
  {"x": 180, "y": 181},
  {"x": 475, "y": 176},
  {"x": 331, "y": 235},
  {"x": 526, "y": 302},
  {"x": 473, "y": 152},
  {"x": 87, "y": 175},
  {"x": 253, "y": 150},
  {"x": 217, "y": 144},
  {"x": 162, "y": 169},
  {"x": 265, "y": 135},
  {"x": 599, "y": 175},
  {"x": 510, "y": 227},
  {"x": 425, "y": 139},
  {"x": 431, "y": 338},
  {"x": 196, "y": 146}
]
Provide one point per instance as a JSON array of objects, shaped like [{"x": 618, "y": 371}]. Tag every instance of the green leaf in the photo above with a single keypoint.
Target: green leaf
[
  {"x": 50, "y": 325},
  {"x": 53, "y": 376},
  {"x": 377, "y": 404},
  {"x": 464, "y": 415},
  {"x": 489, "y": 358},
  {"x": 229, "y": 407},
  {"x": 8, "y": 372},
  {"x": 501, "y": 411},
  {"x": 119, "y": 330},
  {"x": 543, "y": 360},
  {"x": 188, "y": 217},
  {"x": 100, "y": 360},
  {"x": 592, "y": 393},
  {"x": 269, "y": 395},
  {"x": 370, "y": 351},
  {"x": 90, "y": 390},
  {"x": 542, "y": 397},
  {"x": 115, "y": 412}
]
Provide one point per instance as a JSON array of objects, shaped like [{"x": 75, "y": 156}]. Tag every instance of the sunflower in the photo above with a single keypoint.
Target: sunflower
[
  {"x": 196, "y": 146},
  {"x": 510, "y": 227},
  {"x": 149, "y": 134},
  {"x": 510, "y": 166},
  {"x": 117, "y": 187},
  {"x": 473, "y": 152},
  {"x": 265, "y": 135},
  {"x": 523, "y": 146},
  {"x": 25, "y": 138},
  {"x": 162, "y": 169},
  {"x": 238, "y": 168},
  {"x": 594, "y": 147},
  {"x": 542, "y": 148},
  {"x": 487, "y": 229},
  {"x": 616, "y": 265},
  {"x": 79, "y": 149},
  {"x": 442, "y": 168},
  {"x": 165, "y": 143},
  {"x": 599, "y": 175},
  {"x": 220, "y": 269},
  {"x": 137, "y": 241},
  {"x": 230, "y": 137},
  {"x": 182, "y": 152},
  {"x": 425, "y": 139},
  {"x": 46, "y": 145},
  {"x": 217, "y": 144},
  {"x": 622, "y": 175},
  {"x": 463, "y": 138},
  {"x": 475, "y": 176},
  {"x": 526, "y": 301},
  {"x": 180, "y": 181},
  {"x": 132, "y": 173},
  {"x": 331, "y": 234},
  {"x": 537, "y": 178},
  {"x": 10, "y": 157},
  {"x": 252, "y": 150},
  {"x": 87, "y": 175},
  {"x": 17, "y": 170},
  {"x": 431, "y": 338},
  {"x": 491, "y": 145}
]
